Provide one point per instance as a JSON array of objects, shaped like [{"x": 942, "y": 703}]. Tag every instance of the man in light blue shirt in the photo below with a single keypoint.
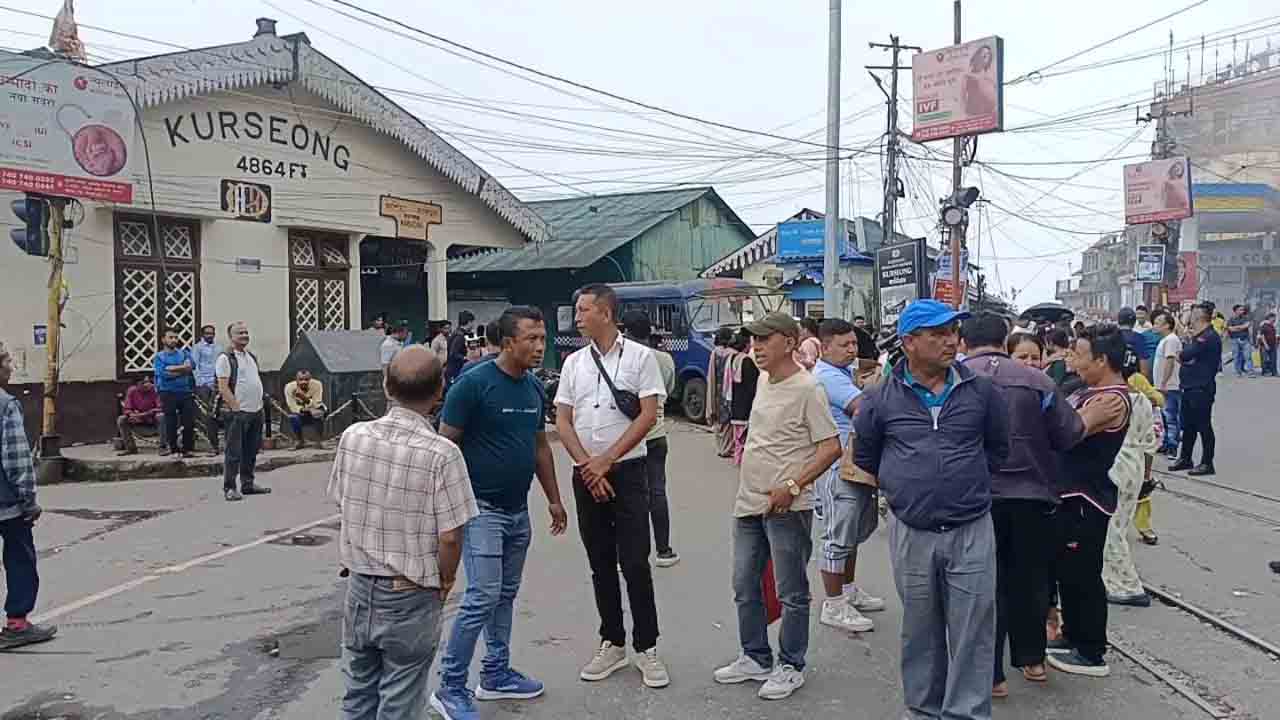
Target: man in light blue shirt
[
  {"x": 848, "y": 510},
  {"x": 205, "y": 354}
]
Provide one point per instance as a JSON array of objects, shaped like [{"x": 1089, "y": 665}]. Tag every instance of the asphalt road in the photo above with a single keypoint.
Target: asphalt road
[{"x": 175, "y": 604}]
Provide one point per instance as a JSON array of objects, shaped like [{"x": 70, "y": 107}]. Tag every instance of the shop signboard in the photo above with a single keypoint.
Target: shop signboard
[
  {"x": 958, "y": 90},
  {"x": 65, "y": 130},
  {"x": 1157, "y": 191},
  {"x": 412, "y": 217},
  {"x": 1150, "y": 264},
  {"x": 899, "y": 278}
]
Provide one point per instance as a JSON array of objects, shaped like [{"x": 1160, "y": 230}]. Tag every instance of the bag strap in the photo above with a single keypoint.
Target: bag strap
[{"x": 605, "y": 373}]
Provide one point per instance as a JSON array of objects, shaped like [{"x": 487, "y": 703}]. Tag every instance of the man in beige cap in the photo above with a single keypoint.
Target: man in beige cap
[{"x": 793, "y": 440}]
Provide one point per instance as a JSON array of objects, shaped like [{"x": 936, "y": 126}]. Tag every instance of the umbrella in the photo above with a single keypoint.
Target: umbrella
[{"x": 1050, "y": 312}]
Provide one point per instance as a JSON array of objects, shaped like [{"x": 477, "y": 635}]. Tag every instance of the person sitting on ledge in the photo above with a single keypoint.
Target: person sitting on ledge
[
  {"x": 305, "y": 398},
  {"x": 141, "y": 409}
]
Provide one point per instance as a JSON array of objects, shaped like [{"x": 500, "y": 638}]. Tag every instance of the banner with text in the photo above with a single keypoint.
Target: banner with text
[
  {"x": 1150, "y": 264},
  {"x": 1157, "y": 190},
  {"x": 958, "y": 90},
  {"x": 899, "y": 278}
]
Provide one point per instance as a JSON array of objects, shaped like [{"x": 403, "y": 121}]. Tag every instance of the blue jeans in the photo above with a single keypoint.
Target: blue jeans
[
  {"x": 389, "y": 638},
  {"x": 494, "y": 546},
  {"x": 787, "y": 539},
  {"x": 1243, "y": 354},
  {"x": 22, "y": 582},
  {"x": 1172, "y": 419}
]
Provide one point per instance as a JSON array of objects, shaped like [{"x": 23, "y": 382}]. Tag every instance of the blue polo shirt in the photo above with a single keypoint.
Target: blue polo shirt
[
  {"x": 932, "y": 401},
  {"x": 500, "y": 417},
  {"x": 838, "y": 384},
  {"x": 167, "y": 383}
]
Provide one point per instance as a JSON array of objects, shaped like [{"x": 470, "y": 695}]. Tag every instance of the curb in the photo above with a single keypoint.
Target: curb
[{"x": 117, "y": 470}]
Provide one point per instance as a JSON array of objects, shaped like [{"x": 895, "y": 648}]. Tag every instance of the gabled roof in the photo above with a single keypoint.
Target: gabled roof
[
  {"x": 268, "y": 58},
  {"x": 583, "y": 230}
]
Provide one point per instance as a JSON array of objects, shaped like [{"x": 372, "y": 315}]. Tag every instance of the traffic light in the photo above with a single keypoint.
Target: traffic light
[{"x": 33, "y": 237}]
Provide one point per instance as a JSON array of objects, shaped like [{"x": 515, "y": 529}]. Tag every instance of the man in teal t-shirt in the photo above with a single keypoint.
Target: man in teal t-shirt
[{"x": 494, "y": 412}]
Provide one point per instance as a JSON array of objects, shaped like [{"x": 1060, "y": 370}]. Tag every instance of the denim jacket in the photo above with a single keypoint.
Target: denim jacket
[
  {"x": 935, "y": 472},
  {"x": 17, "y": 473}
]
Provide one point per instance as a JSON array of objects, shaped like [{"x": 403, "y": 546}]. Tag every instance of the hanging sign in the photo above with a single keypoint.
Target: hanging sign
[
  {"x": 412, "y": 217},
  {"x": 1150, "y": 264},
  {"x": 1157, "y": 190},
  {"x": 958, "y": 90},
  {"x": 899, "y": 278}
]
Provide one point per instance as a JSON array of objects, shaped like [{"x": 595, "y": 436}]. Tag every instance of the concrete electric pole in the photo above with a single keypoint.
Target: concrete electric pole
[
  {"x": 892, "y": 186},
  {"x": 832, "y": 242},
  {"x": 957, "y": 167}
]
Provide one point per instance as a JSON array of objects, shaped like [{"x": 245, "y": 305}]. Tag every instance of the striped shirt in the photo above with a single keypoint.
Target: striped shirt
[{"x": 399, "y": 485}]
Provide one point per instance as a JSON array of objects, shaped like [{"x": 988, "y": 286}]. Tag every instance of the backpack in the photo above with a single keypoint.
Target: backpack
[{"x": 231, "y": 379}]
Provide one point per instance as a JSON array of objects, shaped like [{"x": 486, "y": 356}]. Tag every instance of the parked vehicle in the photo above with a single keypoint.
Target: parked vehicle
[
  {"x": 550, "y": 380},
  {"x": 685, "y": 315}
]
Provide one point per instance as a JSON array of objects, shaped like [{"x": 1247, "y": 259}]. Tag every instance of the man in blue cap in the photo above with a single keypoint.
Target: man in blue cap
[{"x": 932, "y": 435}]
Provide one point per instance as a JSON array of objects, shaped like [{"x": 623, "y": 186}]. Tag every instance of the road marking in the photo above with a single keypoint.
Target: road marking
[{"x": 171, "y": 570}]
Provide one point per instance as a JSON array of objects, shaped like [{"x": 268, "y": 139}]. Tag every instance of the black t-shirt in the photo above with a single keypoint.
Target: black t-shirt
[
  {"x": 1238, "y": 334},
  {"x": 744, "y": 391}
]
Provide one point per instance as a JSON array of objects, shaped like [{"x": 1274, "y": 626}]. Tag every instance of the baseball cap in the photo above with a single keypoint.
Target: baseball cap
[
  {"x": 775, "y": 322},
  {"x": 927, "y": 314}
]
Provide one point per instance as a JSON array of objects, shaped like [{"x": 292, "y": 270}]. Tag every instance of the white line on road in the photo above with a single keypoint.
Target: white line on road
[{"x": 170, "y": 570}]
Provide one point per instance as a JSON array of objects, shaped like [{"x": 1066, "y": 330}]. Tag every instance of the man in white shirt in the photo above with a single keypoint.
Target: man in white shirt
[
  {"x": 240, "y": 388},
  {"x": 1165, "y": 370},
  {"x": 609, "y": 481},
  {"x": 393, "y": 343}
]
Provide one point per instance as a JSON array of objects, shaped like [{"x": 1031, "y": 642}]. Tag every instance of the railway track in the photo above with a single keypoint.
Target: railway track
[{"x": 1210, "y": 502}]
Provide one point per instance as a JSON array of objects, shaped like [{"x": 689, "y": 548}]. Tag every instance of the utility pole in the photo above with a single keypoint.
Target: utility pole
[
  {"x": 50, "y": 449},
  {"x": 892, "y": 186},
  {"x": 957, "y": 168},
  {"x": 831, "y": 241}
]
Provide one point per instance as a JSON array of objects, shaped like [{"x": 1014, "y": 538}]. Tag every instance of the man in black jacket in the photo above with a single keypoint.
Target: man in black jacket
[
  {"x": 458, "y": 347},
  {"x": 1201, "y": 360}
]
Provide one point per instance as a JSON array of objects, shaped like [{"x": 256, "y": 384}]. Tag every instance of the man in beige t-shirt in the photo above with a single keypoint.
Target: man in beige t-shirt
[{"x": 792, "y": 440}]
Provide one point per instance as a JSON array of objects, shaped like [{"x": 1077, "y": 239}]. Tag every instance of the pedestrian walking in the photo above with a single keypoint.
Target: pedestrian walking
[
  {"x": 1267, "y": 344},
  {"x": 1089, "y": 499},
  {"x": 1024, "y": 493},
  {"x": 636, "y": 325},
  {"x": 742, "y": 377},
  {"x": 240, "y": 387},
  {"x": 793, "y": 442},
  {"x": 494, "y": 414},
  {"x": 849, "y": 511},
  {"x": 719, "y": 393},
  {"x": 1128, "y": 472},
  {"x": 1239, "y": 331},
  {"x": 205, "y": 352},
  {"x": 404, "y": 495},
  {"x": 607, "y": 402},
  {"x": 1198, "y": 376},
  {"x": 932, "y": 434},
  {"x": 18, "y": 515},
  {"x": 174, "y": 368}
]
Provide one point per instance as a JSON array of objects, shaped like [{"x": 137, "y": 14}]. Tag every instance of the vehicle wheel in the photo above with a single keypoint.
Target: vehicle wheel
[{"x": 693, "y": 400}]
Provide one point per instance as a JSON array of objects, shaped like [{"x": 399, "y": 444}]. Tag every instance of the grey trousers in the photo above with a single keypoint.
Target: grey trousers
[{"x": 947, "y": 582}]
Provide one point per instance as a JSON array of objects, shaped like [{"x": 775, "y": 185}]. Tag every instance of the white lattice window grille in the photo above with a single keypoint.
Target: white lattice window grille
[
  {"x": 335, "y": 305},
  {"x": 135, "y": 239},
  {"x": 140, "y": 334},
  {"x": 306, "y": 304},
  {"x": 302, "y": 252},
  {"x": 177, "y": 242},
  {"x": 333, "y": 257},
  {"x": 180, "y": 305}
]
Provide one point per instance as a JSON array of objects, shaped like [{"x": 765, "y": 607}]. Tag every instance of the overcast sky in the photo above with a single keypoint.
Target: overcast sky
[{"x": 756, "y": 64}]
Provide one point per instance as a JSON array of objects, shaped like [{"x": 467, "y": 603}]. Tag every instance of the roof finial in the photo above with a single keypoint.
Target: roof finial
[
  {"x": 65, "y": 37},
  {"x": 266, "y": 26}
]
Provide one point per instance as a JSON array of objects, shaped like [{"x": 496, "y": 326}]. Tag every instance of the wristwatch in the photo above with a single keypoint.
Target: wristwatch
[{"x": 795, "y": 489}]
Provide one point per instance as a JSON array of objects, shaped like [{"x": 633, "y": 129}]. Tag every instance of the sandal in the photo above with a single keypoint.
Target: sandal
[
  {"x": 1000, "y": 690},
  {"x": 1149, "y": 537},
  {"x": 1033, "y": 675}
]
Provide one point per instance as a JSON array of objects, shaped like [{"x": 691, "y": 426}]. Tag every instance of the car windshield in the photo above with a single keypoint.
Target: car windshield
[{"x": 709, "y": 314}]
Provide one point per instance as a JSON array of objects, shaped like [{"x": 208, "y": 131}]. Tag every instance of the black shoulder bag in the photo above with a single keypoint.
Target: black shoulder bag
[{"x": 627, "y": 402}]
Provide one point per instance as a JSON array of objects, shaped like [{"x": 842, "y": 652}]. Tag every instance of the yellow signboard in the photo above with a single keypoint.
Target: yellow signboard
[
  {"x": 412, "y": 216},
  {"x": 1229, "y": 204}
]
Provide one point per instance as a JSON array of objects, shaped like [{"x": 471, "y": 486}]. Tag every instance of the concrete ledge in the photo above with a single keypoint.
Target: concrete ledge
[{"x": 98, "y": 463}]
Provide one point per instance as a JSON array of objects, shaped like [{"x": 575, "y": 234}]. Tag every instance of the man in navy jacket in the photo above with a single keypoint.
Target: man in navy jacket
[{"x": 932, "y": 434}]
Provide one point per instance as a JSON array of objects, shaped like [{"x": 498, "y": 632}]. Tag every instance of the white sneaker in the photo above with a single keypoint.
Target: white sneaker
[
  {"x": 608, "y": 659},
  {"x": 838, "y": 613},
  {"x": 865, "y": 602},
  {"x": 651, "y": 667},
  {"x": 742, "y": 670},
  {"x": 784, "y": 681}
]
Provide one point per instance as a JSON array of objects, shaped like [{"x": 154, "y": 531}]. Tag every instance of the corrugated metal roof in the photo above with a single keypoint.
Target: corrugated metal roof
[{"x": 583, "y": 230}]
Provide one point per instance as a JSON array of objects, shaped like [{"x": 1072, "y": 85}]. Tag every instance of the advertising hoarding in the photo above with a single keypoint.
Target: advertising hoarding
[
  {"x": 1157, "y": 190},
  {"x": 958, "y": 90},
  {"x": 805, "y": 239},
  {"x": 899, "y": 278},
  {"x": 65, "y": 130},
  {"x": 1150, "y": 264}
]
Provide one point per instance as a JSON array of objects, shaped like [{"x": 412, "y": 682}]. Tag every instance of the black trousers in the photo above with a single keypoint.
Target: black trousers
[
  {"x": 1024, "y": 549},
  {"x": 659, "y": 511},
  {"x": 179, "y": 407},
  {"x": 1081, "y": 537},
  {"x": 1197, "y": 419},
  {"x": 244, "y": 437},
  {"x": 616, "y": 533},
  {"x": 22, "y": 582}
]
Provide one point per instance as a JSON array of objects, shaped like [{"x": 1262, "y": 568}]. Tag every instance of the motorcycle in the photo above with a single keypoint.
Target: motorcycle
[{"x": 550, "y": 380}]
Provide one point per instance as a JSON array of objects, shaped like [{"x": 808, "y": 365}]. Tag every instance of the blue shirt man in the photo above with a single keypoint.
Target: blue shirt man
[
  {"x": 495, "y": 414},
  {"x": 205, "y": 354},
  {"x": 175, "y": 368}
]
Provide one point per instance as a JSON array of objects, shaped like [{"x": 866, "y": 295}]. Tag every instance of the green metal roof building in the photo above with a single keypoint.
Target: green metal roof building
[{"x": 667, "y": 235}]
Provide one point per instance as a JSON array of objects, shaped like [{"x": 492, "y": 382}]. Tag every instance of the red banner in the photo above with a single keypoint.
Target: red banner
[
  {"x": 1186, "y": 283},
  {"x": 64, "y": 186}
]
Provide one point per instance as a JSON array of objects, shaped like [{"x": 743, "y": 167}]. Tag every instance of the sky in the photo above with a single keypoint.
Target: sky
[{"x": 1051, "y": 181}]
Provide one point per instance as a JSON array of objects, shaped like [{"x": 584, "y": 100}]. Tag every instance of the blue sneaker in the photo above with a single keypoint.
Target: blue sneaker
[
  {"x": 510, "y": 685},
  {"x": 454, "y": 704}
]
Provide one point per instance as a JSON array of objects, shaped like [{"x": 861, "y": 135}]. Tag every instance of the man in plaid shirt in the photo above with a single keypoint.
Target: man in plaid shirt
[
  {"x": 405, "y": 496},
  {"x": 18, "y": 513}
]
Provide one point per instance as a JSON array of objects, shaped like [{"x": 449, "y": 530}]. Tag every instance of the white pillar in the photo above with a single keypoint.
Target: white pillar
[
  {"x": 437, "y": 282},
  {"x": 1189, "y": 239}
]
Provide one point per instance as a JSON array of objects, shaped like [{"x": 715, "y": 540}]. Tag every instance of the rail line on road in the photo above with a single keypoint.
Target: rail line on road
[{"x": 1182, "y": 493}]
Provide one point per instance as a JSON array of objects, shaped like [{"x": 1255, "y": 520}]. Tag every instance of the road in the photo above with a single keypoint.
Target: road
[{"x": 175, "y": 604}]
